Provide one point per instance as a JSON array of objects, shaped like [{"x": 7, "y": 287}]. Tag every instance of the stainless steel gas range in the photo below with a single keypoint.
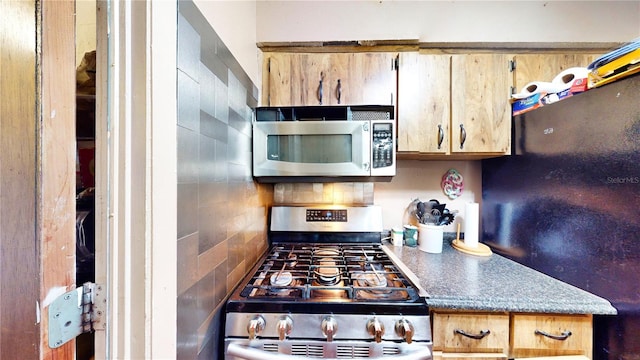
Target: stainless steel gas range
[{"x": 327, "y": 288}]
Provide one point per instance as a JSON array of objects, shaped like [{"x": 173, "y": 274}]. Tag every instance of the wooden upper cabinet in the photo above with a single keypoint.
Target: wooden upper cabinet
[
  {"x": 545, "y": 67},
  {"x": 454, "y": 104},
  {"x": 481, "y": 111},
  {"x": 424, "y": 91},
  {"x": 302, "y": 79}
]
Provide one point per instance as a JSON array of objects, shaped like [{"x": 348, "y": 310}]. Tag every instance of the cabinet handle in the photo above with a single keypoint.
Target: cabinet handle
[
  {"x": 564, "y": 336},
  {"x": 440, "y": 136},
  {"x": 320, "y": 88},
  {"x": 463, "y": 136},
  {"x": 339, "y": 91},
  {"x": 479, "y": 336}
]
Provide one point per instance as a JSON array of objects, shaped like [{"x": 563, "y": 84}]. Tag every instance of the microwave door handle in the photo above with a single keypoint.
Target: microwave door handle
[{"x": 248, "y": 353}]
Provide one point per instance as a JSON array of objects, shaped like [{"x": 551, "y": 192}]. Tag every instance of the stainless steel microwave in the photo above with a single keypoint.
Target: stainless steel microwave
[{"x": 324, "y": 144}]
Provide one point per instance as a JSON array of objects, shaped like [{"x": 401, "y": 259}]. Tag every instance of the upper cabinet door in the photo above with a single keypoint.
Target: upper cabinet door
[
  {"x": 480, "y": 112},
  {"x": 301, "y": 79},
  {"x": 294, "y": 79},
  {"x": 424, "y": 87}
]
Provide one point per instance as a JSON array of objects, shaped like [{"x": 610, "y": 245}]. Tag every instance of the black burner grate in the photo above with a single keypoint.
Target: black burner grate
[{"x": 328, "y": 272}]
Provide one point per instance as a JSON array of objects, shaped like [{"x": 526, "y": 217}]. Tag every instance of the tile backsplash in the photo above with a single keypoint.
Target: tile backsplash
[
  {"x": 414, "y": 180},
  {"x": 422, "y": 180},
  {"x": 323, "y": 193}
]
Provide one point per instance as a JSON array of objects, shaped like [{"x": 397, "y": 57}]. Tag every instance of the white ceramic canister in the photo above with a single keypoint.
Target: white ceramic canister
[{"x": 430, "y": 238}]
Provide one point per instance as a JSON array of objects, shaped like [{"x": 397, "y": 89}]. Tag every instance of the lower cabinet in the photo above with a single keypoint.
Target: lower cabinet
[
  {"x": 467, "y": 335},
  {"x": 546, "y": 335}
]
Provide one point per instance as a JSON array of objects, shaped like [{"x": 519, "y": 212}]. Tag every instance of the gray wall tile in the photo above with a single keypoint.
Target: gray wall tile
[
  {"x": 188, "y": 102},
  {"x": 187, "y": 269},
  {"x": 212, "y": 127},
  {"x": 187, "y": 156},
  {"x": 207, "y": 95},
  {"x": 222, "y": 101},
  {"x": 188, "y": 48},
  {"x": 187, "y": 203}
]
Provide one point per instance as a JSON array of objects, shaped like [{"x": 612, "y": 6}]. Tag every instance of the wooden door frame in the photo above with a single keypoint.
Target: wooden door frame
[
  {"x": 135, "y": 167},
  {"x": 55, "y": 161},
  {"x": 37, "y": 172}
]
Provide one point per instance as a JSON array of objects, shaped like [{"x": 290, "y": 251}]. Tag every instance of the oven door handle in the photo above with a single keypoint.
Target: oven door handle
[{"x": 249, "y": 353}]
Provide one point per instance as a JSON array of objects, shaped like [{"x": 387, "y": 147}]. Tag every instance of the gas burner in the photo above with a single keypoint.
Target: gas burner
[
  {"x": 289, "y": 290},
  {"x": 373, "y": 285},
  {"x": 281, "y": 279},
  {"x": 326, "y": 252},
  {"x": 292, "y": 260},
  {"x": 327, "y": 272},
  {"x": 371, "y": 280}
]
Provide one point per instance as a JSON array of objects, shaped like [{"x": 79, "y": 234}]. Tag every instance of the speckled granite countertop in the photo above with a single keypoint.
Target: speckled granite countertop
[{"x": 455, "y": 280}]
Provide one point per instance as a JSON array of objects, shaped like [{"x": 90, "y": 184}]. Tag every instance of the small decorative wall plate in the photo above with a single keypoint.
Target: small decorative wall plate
[{"x": 452, "y": 184}]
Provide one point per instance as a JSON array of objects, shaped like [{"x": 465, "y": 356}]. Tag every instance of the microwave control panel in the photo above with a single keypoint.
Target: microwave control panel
[{"x": 382, "y": 145}]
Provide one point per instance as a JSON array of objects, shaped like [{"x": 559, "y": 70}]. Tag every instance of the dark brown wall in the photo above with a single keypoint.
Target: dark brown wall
[{"x": 221, "y": 210}]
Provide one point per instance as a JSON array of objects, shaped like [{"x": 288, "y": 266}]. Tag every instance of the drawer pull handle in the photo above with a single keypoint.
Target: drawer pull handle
[
  {"x": 564, "y": 336},
  {"x": 479, "y": 336}
]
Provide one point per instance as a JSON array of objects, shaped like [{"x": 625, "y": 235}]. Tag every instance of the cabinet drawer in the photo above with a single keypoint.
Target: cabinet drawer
[
  {"x": 468, "y": 356},
  {"x": 540, "y": 335},
  {"x": 464, "y": 333}
]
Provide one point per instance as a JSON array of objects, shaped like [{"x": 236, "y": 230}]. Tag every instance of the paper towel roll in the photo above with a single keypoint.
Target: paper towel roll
[
  {"x": 471, "y": 224},
  {"x": 566, "y": 78},
  {"x": 536, "y": 87}
]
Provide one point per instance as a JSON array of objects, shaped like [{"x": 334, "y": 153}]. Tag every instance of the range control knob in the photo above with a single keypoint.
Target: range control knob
[
  {"x": 284, "y": 326},
  {"x": 329, "y": 327},
  {"x": 404, "y": 329},
  {"x": 255, "y": 327},
  {"x": 375, "y": 328}
]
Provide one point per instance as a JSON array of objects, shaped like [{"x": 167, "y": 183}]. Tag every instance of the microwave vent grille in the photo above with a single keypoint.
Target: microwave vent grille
[{"x": 370, "y": 115}]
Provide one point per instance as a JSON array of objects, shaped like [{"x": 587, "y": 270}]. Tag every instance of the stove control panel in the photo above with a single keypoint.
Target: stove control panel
[
  {"x": 329, "y": 327},
  {"x": 327, "y": 215},
  {"x": 326, "y": 218}
]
